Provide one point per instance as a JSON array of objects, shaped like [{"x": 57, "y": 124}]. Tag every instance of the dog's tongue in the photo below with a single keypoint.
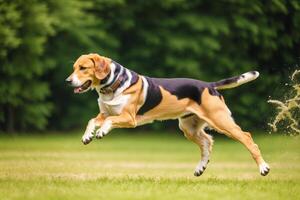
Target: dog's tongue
[{"x": 77, "y": 90}]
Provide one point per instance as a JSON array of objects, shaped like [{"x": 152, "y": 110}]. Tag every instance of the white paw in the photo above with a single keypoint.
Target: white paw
[
  {"x": 100, "y": 133},
  {"x": 87, "y": 138},
  {"x": 200, "y": 168},
  {"x": 264, "y": 169},
  {"x": 105, "y": 128},
  {"x": 88, "y": 134}
]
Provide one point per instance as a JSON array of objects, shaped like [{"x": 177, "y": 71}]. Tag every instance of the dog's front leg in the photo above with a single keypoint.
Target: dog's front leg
[
  {"x": 121, "y": 121},
  {"x": 91, "y": 127}
]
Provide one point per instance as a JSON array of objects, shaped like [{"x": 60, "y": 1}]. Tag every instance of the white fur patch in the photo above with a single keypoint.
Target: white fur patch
[
  {"x": 106, "y": 127},
  {"x": 115, "y": 105},
  {"x": 145, "y": 88},
  {"x": 126, "y": 84},
  {"x": 247, "y": 77},
  {"x": 75, "y": 81},
  {"x": 264, "y": 168},
  {"x": 88, "y": 134}
]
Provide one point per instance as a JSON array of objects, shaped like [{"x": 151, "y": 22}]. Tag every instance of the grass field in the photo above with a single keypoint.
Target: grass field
[{"x": 143, "y": 166}]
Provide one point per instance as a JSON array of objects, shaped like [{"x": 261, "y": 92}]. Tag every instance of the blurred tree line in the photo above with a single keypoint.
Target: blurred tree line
[{"x": 202, "y": 39}]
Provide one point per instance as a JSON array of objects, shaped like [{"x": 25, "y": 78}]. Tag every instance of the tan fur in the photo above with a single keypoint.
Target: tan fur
[
  {"x": 99, "y": 119},
  {"x": 101, "y": 67}
]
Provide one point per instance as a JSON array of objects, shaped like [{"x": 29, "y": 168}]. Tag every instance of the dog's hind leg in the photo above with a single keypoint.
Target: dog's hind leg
[
  {"x": 215, "y": 112},
  {"x": 223, "y": 122},
  {"x": 193, "y": 129}
]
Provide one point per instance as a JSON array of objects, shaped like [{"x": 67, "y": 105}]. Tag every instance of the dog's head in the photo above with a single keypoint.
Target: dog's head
[{"x": 88, "y": 71}]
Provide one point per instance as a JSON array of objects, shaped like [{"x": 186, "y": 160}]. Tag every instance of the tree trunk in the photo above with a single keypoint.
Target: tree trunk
[{"x": 10, "y": 119}]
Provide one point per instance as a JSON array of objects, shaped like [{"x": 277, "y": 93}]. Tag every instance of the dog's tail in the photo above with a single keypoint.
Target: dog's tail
[{"x": 235, "y": 81}]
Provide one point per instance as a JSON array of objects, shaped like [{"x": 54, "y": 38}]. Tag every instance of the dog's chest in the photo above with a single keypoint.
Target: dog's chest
[{"x": 113, "y": 106}]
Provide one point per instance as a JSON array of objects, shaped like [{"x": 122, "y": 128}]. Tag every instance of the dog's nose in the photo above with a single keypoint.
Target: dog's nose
[{"x": 68, "y": 80}]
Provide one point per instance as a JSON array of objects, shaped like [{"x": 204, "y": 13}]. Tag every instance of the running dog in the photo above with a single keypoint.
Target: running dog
[{"x": 127, "y": 99}]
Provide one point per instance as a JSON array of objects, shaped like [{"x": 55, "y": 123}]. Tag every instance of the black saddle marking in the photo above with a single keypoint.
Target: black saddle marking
[
  {"x": 186, "y": 88},
  {"x": 180, "y": 87},
  {"x": 134, "y": 77},
  {"x": 153, "y": 97}
]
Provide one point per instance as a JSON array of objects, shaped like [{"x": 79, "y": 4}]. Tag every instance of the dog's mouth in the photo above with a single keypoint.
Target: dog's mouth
[{"x": 84, "y": 87}]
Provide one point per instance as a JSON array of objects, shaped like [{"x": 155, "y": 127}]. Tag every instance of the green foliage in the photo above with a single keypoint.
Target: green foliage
[
  {"x": 207, "y": 40},
  {"x": 25, "y": 26}
]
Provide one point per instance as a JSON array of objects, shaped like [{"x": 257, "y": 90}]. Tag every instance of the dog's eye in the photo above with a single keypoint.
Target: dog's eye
[{"x": 81, "y": 68}]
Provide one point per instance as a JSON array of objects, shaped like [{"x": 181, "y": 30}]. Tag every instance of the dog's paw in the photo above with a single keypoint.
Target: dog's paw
[
  {"x": 100, "y": 133},
  {"x": 87, "y": 139},
  {"x": 200, "y": 168},
  {"x": 105, "y": 128},
  {"x": 199, "y": 172},
  {"x": 264, "y": 169}
]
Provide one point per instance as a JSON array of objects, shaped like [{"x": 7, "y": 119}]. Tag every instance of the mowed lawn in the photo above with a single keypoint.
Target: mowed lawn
[{"x": 144, "y": 166}]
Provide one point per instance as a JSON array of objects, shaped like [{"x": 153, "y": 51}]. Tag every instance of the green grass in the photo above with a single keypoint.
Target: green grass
[{"x": 143, "y": 166}]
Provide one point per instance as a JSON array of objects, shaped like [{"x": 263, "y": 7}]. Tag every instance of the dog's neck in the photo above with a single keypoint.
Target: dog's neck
[{"x": 114, "y": 80}]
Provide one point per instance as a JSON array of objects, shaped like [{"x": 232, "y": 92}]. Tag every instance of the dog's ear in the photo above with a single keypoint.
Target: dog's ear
[{"x": 101, "y": 65}]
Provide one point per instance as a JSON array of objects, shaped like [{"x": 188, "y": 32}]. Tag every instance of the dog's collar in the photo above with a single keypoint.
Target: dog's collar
[
  {"x": 103, "y": 81},
  {"x": 113, "y": 87}
]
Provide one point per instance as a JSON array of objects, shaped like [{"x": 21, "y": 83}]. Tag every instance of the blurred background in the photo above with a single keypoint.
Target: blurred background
[{"x": 201, "y": 39}]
